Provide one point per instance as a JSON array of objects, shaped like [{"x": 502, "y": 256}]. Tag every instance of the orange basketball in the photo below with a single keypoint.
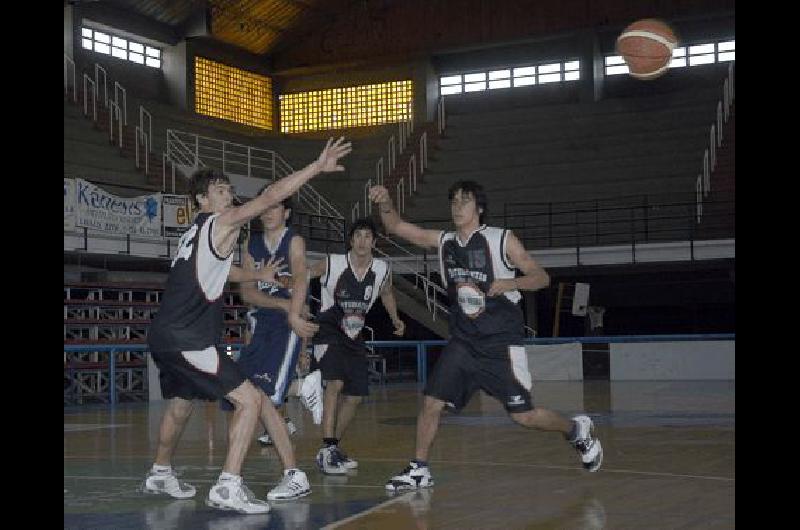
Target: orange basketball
[{"x": 646, "y": 45}]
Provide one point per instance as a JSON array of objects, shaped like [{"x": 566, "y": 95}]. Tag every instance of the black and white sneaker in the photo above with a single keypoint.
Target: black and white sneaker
[
  {"x": 412, "y": 477},
  {"x": 343, "y": 459},
  {"x": 329, "y": 463},
  {"x": 293, "y": 486},
  {"x": 587, "y": 445}
]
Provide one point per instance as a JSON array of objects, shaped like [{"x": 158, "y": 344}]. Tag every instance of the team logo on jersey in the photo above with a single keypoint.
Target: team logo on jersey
[
  {"x": 477, "y": 259},
  {"x": 516, "y": 400},
  {"x": 368, "y": 293},
  {"x": 352, "y": 324},
  {"x": 471, "y": 300},
  {"x": 342, "y": 293}
]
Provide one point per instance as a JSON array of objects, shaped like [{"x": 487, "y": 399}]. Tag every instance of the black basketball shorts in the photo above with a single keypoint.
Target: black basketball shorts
[
  {"x": 340, "y": 363},
  {"x": 206, "y": 374},
  {"x": 463, "y": 368}
]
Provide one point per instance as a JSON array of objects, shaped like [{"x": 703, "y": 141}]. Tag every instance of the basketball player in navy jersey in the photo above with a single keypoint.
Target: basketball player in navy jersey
[
  {"x": 184, "y": 334},
  {"x": 486, "y": 325},
  {"x": 277, "y": 326},
  {"x": 351, "y": 283}
]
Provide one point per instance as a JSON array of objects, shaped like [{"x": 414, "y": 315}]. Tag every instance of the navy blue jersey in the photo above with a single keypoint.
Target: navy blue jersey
[
  {"x": 260, "y": 251},
  {"x": 190, "y": 315}
]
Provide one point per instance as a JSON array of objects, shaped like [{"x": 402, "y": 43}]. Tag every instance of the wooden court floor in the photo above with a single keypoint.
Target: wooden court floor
[{"x": 669, "y": 463}]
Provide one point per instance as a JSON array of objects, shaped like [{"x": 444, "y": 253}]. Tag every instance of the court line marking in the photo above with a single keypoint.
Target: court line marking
[
  {"x": 567, "y": 468},
  {"x": 358, "y": 515},
  {"x": 207, "y": 481}
]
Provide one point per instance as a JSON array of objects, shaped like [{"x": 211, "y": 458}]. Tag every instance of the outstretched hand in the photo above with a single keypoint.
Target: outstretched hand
[
  {"x": 271, "y": 269},
  {"x": 328, "y": 160},
  {"x": 379, "y": 194}
]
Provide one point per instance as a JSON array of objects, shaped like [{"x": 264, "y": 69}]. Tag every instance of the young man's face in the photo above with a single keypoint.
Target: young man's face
[
  {"x": 218, "y": 197},
  {"x": 362, "y": 242},
  {"x": 464, "y": 209},
  {"x": 275, "y": 218}
]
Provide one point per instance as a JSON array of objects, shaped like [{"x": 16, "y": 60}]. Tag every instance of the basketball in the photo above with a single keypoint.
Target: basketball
[{"x": 646, "y": 45}]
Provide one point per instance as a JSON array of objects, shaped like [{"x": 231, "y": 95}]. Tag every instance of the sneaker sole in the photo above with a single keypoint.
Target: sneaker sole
[
  {"x": 220, "y": 506},
  {"x": 303, "y": 494},
  {"x": 143, "y": 489},
  {"x": 594, "y": 466},
  {"x": 408, "y": 487},
  {"x": 334, "y": 473}
]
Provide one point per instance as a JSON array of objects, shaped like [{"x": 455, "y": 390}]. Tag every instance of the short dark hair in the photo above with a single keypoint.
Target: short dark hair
[
  {"x": 474, "y": 189},
  {"x": 201, "y": 179},
  {"x": 287, "y": 203},
  {"x": 365, "y": 223}
]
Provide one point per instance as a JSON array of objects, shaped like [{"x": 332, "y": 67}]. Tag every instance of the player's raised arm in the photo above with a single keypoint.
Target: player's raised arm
[{"x": 395, "y": 225}]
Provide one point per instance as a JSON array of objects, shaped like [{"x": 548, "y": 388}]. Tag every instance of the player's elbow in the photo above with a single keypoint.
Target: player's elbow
[{"x": 545, "y": 279}]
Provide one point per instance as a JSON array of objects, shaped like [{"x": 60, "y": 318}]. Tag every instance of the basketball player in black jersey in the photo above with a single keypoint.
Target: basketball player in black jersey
[
  {"x": 485, "y": 349},
  {"x": 351, "y": 283},
  {"x": 184, "y": 334}
]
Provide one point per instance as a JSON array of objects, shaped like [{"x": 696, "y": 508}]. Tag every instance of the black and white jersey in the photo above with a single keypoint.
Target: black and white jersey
[
  {"x": 468, "y": 270},
  {"x": 190, "y": 316},
  {"x": 346, "y": 299}
]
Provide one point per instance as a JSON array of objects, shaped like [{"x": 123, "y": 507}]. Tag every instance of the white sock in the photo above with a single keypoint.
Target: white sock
[
  {"x": 161, "y": 469},
  {"x": 227, "y": 476},
  {"x": 287, "y": 471}
]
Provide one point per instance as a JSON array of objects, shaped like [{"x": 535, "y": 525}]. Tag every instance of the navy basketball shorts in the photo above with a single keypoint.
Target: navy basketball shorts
[
  {"x": 206, "y": 374},
  {"x": 340, "y": 363},
  {"x": 463, "y": 368},
  {"x": 269, "y": 361}
]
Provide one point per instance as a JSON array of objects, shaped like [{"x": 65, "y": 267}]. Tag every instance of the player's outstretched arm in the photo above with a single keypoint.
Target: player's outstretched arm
[
  {"x": 395, "y": 225},
  {"x": 226, "y": 226},
  {"x": 297, "y": 255},
  {"x": 390, "y": 304}
]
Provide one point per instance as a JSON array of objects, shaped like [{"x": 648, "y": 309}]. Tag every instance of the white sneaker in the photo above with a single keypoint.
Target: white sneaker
[
  {"x": 346, "y": 461},
  {"x": 293, "y": 486},
  {"x": 412, "y": 477},
  {"x": 167, "y": 483},
  {"x": 587, "y": 445},
  {"x": 232, "y": 494},
  {"x": 311, "y": 395},
  {"x": 264, "y": 439},
  {"x": 328, "y": 462}
]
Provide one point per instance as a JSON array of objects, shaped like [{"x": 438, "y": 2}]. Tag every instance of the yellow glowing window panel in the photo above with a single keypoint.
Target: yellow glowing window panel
[
  {"x": 338, "y": 108},
  {"x": 232, "y": 94}
]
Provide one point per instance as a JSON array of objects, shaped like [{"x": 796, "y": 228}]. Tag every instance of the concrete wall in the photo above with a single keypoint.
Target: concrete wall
[
  {"x": 174, "y": 65},
  {"x": 639, "y": 361},
  {"x": 556, "y": 362},
  {"x": 655, "y": 361},
  {"x": 69, "y": 37}
]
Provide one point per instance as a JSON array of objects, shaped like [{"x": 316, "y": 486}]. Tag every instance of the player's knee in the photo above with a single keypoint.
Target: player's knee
[
  {"x": 432, "y": 406},
  {"x": 528, "y": 418},
  {"x": 354, "y": 400},
  {"x": 246, "y": 398},
  {"x": 180, "y": 409},
  {"x": 335, "y": 386}
]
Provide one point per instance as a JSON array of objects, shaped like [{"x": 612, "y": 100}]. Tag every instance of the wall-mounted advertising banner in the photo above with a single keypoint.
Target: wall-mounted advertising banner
[
  {"x": 100, "y": 210},
  {"x": 69, "y": 204},
  {"x": 177, "y": 215}
]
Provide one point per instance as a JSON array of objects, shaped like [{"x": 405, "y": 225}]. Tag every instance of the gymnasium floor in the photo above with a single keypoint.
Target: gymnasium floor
[{"x": 669, "y": 463}]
